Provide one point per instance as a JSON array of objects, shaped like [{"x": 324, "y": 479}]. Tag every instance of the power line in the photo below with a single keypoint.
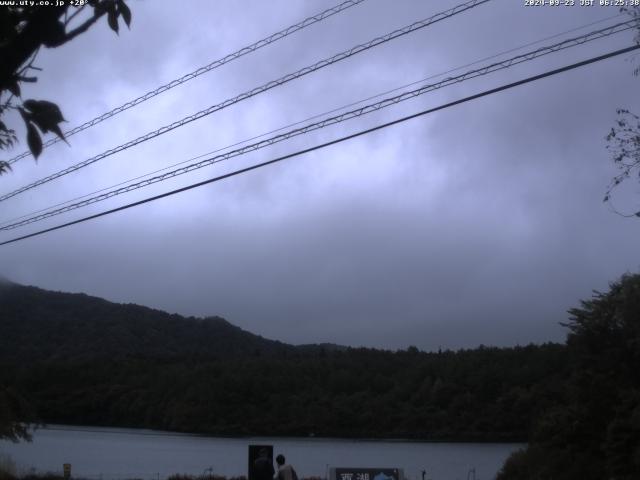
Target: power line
[
  {"x": 313, "y": 117},
  {"x": 333, "y": 142},
  {"x": 200, "y": 71},
  {"x": 267, "y": 86},
  {"x": 525, "y": 57}
]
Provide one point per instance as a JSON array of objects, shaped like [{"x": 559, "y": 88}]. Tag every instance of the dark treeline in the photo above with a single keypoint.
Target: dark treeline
[{"x": 477, "y": 395}]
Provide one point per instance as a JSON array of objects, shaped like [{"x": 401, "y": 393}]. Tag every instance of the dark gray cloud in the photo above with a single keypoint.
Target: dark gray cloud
[{"x": 479, "y": 224}]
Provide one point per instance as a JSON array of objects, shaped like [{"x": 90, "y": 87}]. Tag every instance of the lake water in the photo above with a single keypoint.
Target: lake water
[{"x": 108, "y": 453}]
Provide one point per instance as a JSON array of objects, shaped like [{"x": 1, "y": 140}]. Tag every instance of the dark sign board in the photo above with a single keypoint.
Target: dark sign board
[
  {"x": 254, "y": 454},
  {"x": 367, "y": 474}
]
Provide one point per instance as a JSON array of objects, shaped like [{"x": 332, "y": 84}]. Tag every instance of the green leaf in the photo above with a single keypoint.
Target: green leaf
[
  {"x": 125, "y": 12},
  {"x": 112, "y": 19},
  {"x": 34, "y": 140},
  {"x": 46, "y": 115},
  {"x": 48, "y": 109},
  {"x": 56, "y": 129}
]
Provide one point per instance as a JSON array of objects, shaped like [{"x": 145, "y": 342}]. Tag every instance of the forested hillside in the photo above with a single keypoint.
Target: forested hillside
[
  {"x": 83, "y": 360},
  {"x": 39, "y": 325}
]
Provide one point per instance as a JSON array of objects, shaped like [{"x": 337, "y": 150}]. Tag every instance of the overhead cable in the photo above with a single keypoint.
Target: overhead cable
[
  {"x": 267, "y": 86},
  {"x": 332, "y": 142},
  {"x": 366, "y": 109},
  {"x": 200, "y": 71},
  {"x": 313, "y": 117}
]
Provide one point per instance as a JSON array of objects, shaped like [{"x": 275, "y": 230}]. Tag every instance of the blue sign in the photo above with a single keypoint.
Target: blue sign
[{"x": 367, "y": 474}]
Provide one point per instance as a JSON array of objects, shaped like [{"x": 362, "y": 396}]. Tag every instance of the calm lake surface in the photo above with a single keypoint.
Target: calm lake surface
[{"x": 109, "y": 453}]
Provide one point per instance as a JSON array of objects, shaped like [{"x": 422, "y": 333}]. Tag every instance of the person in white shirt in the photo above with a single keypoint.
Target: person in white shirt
[{"x": 285, "y": 471}]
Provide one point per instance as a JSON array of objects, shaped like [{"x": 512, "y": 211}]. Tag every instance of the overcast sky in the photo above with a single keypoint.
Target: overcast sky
[{"x": 479, "y": 224}]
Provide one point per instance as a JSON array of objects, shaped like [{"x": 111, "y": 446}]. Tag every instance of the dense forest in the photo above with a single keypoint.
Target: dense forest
[
  {"x": 76, "y": 359},
  {"x": 83, "y": 360},
  {"x": 485, "y": 394}
]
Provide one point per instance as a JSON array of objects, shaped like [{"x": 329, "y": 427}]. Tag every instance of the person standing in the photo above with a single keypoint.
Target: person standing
[{"x": 285, "y": 471}]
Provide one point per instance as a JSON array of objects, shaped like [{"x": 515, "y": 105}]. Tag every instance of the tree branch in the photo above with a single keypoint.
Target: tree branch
[
  {"x": 78, "y": 10},
  {"x": 23, "y": 46},
  {"x": 84, "y": 26}
]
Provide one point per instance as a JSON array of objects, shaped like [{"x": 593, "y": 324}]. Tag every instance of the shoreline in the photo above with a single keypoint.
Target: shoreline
[{"x": 310, "y": 438}]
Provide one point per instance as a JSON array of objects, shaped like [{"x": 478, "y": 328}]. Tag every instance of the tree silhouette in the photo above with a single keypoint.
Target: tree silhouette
[
  {"x": 624, "y": 138},
  {"x": 596, "y": 420},
  {"x": 24, "y": 30}
]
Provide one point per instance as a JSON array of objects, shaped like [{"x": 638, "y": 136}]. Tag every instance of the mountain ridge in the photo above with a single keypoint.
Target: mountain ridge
[
  {"x": 42, "y": 325},
  {"x": 82, "y": 360}
]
